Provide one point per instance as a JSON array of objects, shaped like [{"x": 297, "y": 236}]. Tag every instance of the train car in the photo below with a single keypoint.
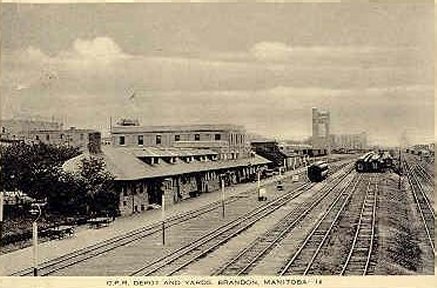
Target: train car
[
  {"x": 318, "y": 171},
  {"x": 362, "y": 163},
  {"x": 374, "y": 162}
]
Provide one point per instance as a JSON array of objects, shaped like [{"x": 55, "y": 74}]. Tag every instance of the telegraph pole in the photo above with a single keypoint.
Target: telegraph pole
[
  {"x": 36, "y": 212},
  {"x": 400, "y": 168},
  {"x": 163, "y": 217},
  {"x": 1, "y": 219},
  {"x": 223, "y": 196}
]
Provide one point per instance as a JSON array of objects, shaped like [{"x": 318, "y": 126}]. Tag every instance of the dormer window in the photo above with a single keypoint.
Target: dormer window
[
  {"x": 158, "y": 139},
  {"x": 196, "y": 137}
]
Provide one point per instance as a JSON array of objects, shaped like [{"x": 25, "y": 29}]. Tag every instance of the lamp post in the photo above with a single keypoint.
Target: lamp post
[
  {"x": 163, "y": 217},
  {"x": 1, "y": 219},
  {"x": 400, "y": 168},
  {"x": 35, "y": 211},
  {"x": 223, "y": 195},
  {"x": 260, "y": 196}
]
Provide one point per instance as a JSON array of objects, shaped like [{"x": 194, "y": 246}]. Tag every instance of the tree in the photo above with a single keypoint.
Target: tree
[
  {"x": 101, "y": 196},
  {"x": 32, "y": 168},
  {"x": 36, "y": 170}
]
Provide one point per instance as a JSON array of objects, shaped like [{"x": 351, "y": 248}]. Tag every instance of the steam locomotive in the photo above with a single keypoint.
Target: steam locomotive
[
  {"x": 318, "y": 171},
  {"x": 374, "y": 162}
]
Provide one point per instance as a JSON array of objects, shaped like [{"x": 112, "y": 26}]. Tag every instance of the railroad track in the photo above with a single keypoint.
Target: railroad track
[
  {"x": 67, "y": 260},
  {"x": 80, "y": 255},
  {"x": 424, "y": 206},
  {"x": 423, "y": 173},
  {"x": 360, "y": 254},
  {"x": 303, "y": 259},
  {"x": 184, "y": 256}
]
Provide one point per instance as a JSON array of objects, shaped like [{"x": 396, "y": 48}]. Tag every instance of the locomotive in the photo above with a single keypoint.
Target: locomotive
[
  {"x": 374, "y": 162},
  {"x": 318, "y": 171}
]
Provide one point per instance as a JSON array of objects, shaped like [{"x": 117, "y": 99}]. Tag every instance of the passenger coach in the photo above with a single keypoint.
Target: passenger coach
[{"x": 318, "y": 171}]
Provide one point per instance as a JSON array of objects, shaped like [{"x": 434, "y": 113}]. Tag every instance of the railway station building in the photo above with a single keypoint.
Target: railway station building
[
  {"x": 178, "y": 167},
  {"x": 229, "y": 141}
]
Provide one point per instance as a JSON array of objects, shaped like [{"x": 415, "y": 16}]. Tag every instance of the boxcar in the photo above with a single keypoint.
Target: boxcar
[{"x": 318, "y": 171}]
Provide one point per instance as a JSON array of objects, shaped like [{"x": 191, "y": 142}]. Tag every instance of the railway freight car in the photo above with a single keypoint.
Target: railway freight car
[
  {"x": 374, "y": 162},
  {"x": 318, "y": 171}
]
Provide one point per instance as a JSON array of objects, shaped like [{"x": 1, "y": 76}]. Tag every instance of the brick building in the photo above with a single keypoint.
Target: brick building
[
  {"x": 229, "y": 141},
  {"x": 142, "y": 175},
  {"x": 21, "y": 130},
  {"x": 178, "y": 161},
  {"x": 72, "y": 137}
]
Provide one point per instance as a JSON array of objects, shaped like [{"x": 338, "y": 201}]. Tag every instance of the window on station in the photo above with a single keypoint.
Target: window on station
[
  {"x": 158, "y": 139},
  {"x": 61, "y": 136},
  {"x": 121, "y": 140},
  {"x": 218, "y": 137},
  {"x": 36, "y": 137},
  {"x": 196, "y": 137},
  {"x": 81, "y": 137},
  {"x": 48, "y": 137},
  {"x": 140, "y": 140},
  {"x": 177, "y": 138}
]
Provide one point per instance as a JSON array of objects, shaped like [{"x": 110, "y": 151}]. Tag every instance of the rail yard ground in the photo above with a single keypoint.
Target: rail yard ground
[{"x": 349, "y": 224}]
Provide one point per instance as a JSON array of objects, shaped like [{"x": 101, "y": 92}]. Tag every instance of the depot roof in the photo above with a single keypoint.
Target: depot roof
[{"x": 125, "y": 166}]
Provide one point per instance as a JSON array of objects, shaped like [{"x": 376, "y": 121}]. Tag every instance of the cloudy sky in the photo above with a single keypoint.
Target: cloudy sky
[{"x": 259, "y": 65}]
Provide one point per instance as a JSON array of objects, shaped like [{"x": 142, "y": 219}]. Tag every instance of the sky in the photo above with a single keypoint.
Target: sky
[{"x": 263, "y": 66}]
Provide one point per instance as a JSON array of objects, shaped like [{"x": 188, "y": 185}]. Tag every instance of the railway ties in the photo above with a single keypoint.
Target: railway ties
[
  {"x": 303, "y": 259},
  {"x": 424, "y": 207},
  {"x": 359, "y": 257},
  {"x": 183, "y": 256},
  {"x": 177, "y": 260},
  {"x": 244, "y": 261},
  {"x": 81, "y": 255}
]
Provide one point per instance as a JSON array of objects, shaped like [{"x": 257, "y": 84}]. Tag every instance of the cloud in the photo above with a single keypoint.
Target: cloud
[
  {"x": 269, "y": 88},
  {"x": 100, "y": 50},
  {"x": 338, "y": 56},
  {"x": 280, "y": 51}
]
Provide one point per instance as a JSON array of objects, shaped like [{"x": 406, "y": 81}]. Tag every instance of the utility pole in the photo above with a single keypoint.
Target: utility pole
[
  {"x": 35, "y": 211},
  {"x": 223, "y": 196},
  {"x": 163, "y": 217},
  {"x": 400, "y": 168},
  {"x": 1, "y": 219}
]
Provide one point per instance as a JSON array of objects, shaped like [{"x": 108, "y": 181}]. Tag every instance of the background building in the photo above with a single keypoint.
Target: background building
[
  {"x": 48, "y": 132},
  {"x": 229, "y": 141},
  {"x": 72, "y": 137},
  {"x": 349, "y": 141},
  {"x": 20, "y": 129},
  {"x": 320, "y": 130}
]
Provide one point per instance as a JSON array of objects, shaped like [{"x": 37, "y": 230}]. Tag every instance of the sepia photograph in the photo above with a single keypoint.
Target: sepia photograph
[{"x": 284, "y": 140}]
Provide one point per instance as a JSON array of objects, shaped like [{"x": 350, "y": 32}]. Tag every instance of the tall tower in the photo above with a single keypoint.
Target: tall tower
[
  {"x": 320, "y": 135},
  {"x": 315, "y": 127}
]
